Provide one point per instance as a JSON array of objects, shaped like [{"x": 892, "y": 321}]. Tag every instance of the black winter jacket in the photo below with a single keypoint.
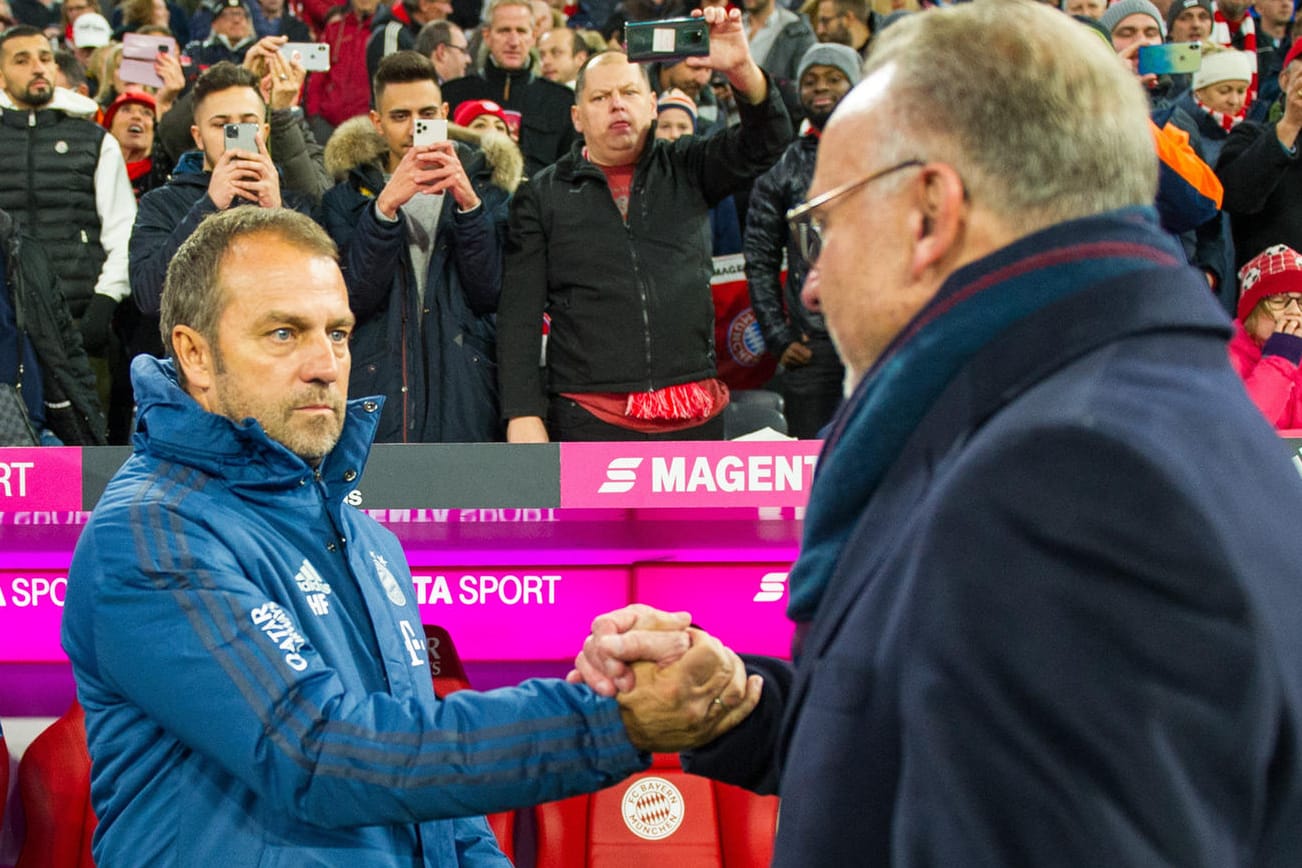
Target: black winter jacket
[
  {"x": 433, "y": 358},
  {"x": 1263, "y": 185},
  {"x": 169, "y": 215},
  {"x": 630, "y": 303},
  {"x": 546, "y": 130},
  {"x": 71, "y": 408},
  {"x": 783, "y": 319},
  {"x": 48, "y": 161}
]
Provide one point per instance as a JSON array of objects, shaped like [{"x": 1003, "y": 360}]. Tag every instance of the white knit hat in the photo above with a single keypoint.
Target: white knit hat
[{"x": 1223, "y": 66}]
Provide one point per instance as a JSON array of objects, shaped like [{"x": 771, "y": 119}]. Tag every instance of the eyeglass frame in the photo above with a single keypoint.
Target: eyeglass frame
[
  {"x": 1294, "y": 297},
  {"x": 802, "y": 221}
]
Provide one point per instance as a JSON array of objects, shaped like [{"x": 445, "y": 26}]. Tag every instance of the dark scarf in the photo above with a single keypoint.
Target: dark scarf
[{"x": 973, "y": 307}]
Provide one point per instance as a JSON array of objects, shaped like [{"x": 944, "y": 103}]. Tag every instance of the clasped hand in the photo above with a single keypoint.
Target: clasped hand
[{"x": 677, "y": 686}]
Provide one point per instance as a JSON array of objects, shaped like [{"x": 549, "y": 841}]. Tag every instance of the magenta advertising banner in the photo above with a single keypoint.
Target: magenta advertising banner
[
  {"x": 518, "y": 613},
  {"x": 688, "y": 474},
  {"x": 31, "y": 609},
  {"x": 40, "y": 479},
  {"x": 744, "y": 605}
]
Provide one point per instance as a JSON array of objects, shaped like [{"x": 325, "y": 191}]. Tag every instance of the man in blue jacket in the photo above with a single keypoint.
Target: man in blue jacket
[
  {"x": 1048, "y": 591},
  {"x": 248, "y": 648}
]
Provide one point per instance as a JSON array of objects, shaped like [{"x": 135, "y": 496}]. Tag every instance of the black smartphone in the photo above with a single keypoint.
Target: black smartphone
[{"x": 668, "y": 39}]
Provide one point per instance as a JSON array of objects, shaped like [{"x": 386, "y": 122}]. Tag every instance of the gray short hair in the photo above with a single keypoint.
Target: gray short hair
[
  {"x": 1035, "y": 112},
  {"x": 192, "y": 290}
]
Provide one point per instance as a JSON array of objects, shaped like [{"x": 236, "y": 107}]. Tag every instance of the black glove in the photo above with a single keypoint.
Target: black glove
[{"x": 96, "y": 324}]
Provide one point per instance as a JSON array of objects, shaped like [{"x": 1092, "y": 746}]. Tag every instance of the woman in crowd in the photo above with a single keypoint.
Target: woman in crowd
[{"x": 1267, "y": 344}]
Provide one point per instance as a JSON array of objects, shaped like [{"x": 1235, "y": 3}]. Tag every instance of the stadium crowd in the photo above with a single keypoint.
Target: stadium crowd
[{"x": 542, "y": 268}]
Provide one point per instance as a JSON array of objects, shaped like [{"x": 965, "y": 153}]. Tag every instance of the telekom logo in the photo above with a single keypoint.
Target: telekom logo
[
  {"x": 620, "y": 476},
  {"x": 772, "y": 587}
]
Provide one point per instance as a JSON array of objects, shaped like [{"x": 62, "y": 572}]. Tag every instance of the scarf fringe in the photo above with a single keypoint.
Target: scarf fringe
[{"x": 684, "y": 401}]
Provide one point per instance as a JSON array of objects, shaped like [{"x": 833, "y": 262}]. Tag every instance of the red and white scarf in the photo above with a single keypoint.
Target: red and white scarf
[
  {"x": 1226, "y": 122},
  {"x": 1223, "y": 32}
]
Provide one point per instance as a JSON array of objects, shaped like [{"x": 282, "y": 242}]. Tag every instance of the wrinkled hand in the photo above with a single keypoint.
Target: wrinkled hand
[
  {"x": 636, "y": 632},
  {"x": 239, "y": 174},
  {"x": 730, "y": 52},
  {"x": 691, "y": 701},
  {"x": 797, "y": 354}
]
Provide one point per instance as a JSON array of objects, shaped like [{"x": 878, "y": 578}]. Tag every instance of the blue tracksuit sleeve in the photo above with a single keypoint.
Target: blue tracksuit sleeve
[
  {"x": 476, "y": 846},
  {"x": 183, "y": 630}
]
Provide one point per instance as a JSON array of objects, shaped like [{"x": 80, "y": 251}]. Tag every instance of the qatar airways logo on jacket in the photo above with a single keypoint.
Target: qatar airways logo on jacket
[{"x": 682, "y": 474}]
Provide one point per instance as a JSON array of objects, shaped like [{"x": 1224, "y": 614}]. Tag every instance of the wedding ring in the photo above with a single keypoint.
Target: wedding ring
[
  {"x": 284, "y": 78},
  {"x": 717, "y": 701}
]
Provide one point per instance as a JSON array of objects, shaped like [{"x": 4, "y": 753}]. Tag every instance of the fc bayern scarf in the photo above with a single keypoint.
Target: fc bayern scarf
[
  {"x": 1223, "y": 33},
  {"x": 974, "y": 307}
]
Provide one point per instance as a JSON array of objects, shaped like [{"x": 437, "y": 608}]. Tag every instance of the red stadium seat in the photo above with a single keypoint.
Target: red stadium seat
[
  {"x": 449, "y": 677},
  {"x": 54, "y": 785},
  {"x": 661, "y": 818}
]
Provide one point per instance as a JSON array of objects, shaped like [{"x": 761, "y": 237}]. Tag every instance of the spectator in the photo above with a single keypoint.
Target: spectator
[
  {"x": 561, "y": 52},
  {"x": 70, "y": 11},
  {"x": 812, "y": 379},
  {"x": 444, "y": 43},
  {"x": 130, "y": 118},
  {"x": 212, "y": 179},
  {"x": 675, "y": 118},
  {"x": 630, "y": 351},
  {"x": 343, "y": 91},
  {"x": 778, "y": 37},
  {"x": 1267, "y": 345},
  {"x": 1189, "y": 21},
  {"x": 1274, "y": 19},
  {"x": 483, "y": 115},
  {"x": 544, "y": 106},
  {"x": 57, "y": 384},
  {"x": 1085, "y": 8},
  {"x": 693, "y": 81},
  {"x": 280, "y": 83},
  {"x": 278, "y": 21},
  {"x": 420, "y": 233},
  {"x": 1233, "y": 27},
  {"x": 90, "y": 32},
  {"x": 44, "y": 15},
  {"x": 64, "y": 180},
  {"x": 1134, "y": 24},
  {"x": 846, "y": 22},
  {"x": 396, "y": 27},
  {"x": 1217, "y": 100},
  {"x": 231, "y": 35},
  {"x": 1261, "y": 172},
  {"x": 134, "y": 14},
  {"x": 71, "y": 74}
]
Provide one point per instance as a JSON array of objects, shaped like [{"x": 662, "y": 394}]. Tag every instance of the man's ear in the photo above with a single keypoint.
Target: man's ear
[
  {"x": 574, "y": 119},
  {"x": 194, "y": 356},
  {"x": 194, "y": 134},
  {"x": 938, "y": 217}
]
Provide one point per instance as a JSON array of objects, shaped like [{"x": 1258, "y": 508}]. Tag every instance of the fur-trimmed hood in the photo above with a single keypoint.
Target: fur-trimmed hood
[{"x": 355, "y": 144}]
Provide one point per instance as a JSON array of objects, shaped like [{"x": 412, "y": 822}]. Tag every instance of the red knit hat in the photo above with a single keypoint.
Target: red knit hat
[
  {"x": 471, "y": 109},
  {"x": 1274, "y": 271},
  {"x": 129, "y": 96},
  {"x": 1292, "y": 54}
]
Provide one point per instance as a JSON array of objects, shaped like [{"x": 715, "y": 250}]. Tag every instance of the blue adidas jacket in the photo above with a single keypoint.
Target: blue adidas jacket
[{"x": 249, "y": 653}]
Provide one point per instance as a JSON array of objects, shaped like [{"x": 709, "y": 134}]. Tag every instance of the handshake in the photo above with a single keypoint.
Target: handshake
[{"x": 677, "y": 687}]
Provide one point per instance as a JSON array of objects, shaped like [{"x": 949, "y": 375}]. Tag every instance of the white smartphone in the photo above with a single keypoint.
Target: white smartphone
[
  {"x": 314, "y": 56},
  {"x": 429, "y": 130},
  {"x": 239, "y": 137}
]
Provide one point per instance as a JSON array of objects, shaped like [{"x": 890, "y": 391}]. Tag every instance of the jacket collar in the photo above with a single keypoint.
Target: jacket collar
[{"x": 173, "y": 427}]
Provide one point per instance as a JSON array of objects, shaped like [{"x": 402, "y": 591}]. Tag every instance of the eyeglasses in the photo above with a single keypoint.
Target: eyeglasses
[
  {"x": 807, "y": 227},
  {"x": 1281, "y": 302}
]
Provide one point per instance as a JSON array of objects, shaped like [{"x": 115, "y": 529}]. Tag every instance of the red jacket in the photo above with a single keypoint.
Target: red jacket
[
  {"x": 1271, "y": 375},
  {"x": 344, "y": 91}
]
